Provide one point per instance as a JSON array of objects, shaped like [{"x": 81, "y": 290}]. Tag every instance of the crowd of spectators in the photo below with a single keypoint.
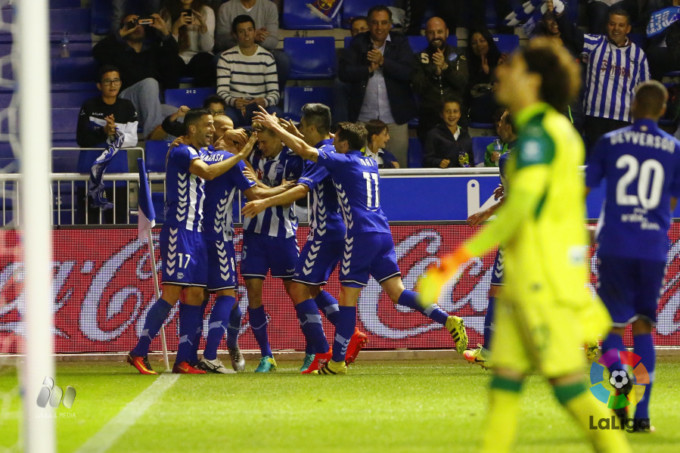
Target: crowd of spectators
[{"x": 234, "y": 46}]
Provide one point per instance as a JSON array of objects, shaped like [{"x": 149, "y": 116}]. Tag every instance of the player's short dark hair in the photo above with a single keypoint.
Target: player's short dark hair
[
  {"x": 241, "y": 19},
  {"x": 650, "y": 98},
  {"x": 319, "y": 115},
  {"x": 214, "y": 99},
  {"x": 106, "y": 68},
  {"x": 374, "y": 127},
  {"x": 378, "y": 8},
  {"x": 354, "y": 133},
  {"x": 560, "y": 78},
  {"x": 193, "y": 116},
  {"x": 618, "y": 11}
]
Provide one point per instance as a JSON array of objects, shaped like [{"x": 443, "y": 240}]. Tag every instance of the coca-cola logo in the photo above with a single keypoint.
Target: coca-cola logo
[{"x": 104, "y": 289}]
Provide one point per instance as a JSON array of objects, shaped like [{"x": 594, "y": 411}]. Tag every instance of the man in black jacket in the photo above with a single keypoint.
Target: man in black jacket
[
  {"x": 379, "y": 64},
  {"x": 441, "y": 72},
  {"x": 145, "y": 66}
]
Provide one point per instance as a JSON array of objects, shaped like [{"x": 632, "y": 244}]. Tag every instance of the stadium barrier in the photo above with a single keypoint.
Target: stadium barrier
[{"x": 103, "y": 282}]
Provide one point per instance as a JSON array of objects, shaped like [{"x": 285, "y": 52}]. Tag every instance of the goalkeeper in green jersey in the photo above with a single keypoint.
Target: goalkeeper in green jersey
[{"x": 544, "y": 312}]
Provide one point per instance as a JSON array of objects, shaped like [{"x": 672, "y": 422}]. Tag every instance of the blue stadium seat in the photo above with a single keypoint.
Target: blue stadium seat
[
  {"x": 8, "y": 17},
  {"x": 296, "y": 97},
  {"x": 640, "y": 39},
  {"x": 73, "y": 69},
  {"x": 76, "y": 49},
  {"x": 191, "y": 97},
  {"x": 355, "y": 8},
  {"x": 77, "y": 22},
  {"x": 418, "y": 43},
  {"x": 298, "y": 16},
  {"x": 506, "y": 43},
  {"x": 64, "y": 3},
  {"x": 158, "y": 201},
  {"x": 8, "y": 162},
  {"x": 66, "y": 99},
  {"x": 64, "y": 123},
  {"x": 348, "y": 41},
  {"x": 5, "y": 98},
  {"x": 311, "y": 58},
  {"x": 64, "y": 161},
  {"x": 479, "y": 145},
  {"x": 415, "y": 153},
  {"x": 475, "y": 125},
  {"x": 154, "y": 155},
  {"x": 102, "y": 10}
]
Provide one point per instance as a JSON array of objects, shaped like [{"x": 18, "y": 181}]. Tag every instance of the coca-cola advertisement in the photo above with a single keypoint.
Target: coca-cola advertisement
[{"x": 103, "y": 285}]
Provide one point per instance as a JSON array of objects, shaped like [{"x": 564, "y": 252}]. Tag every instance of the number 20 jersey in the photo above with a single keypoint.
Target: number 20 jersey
[{"x": 641, "y": 165}]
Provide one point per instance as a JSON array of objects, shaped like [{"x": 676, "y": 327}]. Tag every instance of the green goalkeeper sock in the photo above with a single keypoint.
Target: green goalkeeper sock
[
  {"x": 585, "y": 409},
  {"x": 501, "y": 423}
]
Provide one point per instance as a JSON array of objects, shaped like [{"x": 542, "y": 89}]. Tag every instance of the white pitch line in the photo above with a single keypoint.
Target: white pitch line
[{"x": 118, "y": 425}]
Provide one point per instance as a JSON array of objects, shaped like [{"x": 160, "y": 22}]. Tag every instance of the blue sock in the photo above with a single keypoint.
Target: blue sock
[
  {"x": 347, "y": 321},
  {"x": 152, "y": 324},
  {"x": 234, "y": 326},
  {"x": 611, "y": 346},
  {"x": 189, "y": 320},
  {"x": 199, "y": 333},
  {"x": 644, "y": 347},
  {"x": 328, "y": 305},
  {"x": 258, "y": 323},
  {"x": 219, "y": 319},
  {"x": 488, "y": 323},
  {"x": 310, "y": 323},
  {"x": 410, "y": 299}
]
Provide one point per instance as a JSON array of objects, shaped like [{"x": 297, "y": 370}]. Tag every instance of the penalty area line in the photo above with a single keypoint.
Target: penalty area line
[{"x": 118, "y": 425}]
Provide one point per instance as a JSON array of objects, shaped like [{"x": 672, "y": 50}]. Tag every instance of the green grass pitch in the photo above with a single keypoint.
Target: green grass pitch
[{"x": 386, "y": 406}]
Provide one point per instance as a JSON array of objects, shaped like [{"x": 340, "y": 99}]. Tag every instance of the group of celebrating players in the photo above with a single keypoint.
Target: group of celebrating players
[
  {"x": 347, "y": 227},
  {"x": 544, "y": 312}
]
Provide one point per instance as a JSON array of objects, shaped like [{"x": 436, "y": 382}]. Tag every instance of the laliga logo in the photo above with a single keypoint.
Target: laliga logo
[
  {"x": 54, "y": 395},
  {"x": 618, "y": 380}
]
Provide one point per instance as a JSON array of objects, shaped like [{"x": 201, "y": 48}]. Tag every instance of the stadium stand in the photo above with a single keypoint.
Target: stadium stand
[
  {"x": 64, "y": 124},
  {"x": 297, "y": 96},
  {"x": 354, "y": 8},
  {"x": 191, "y": 97},
  {"x": 77, "y": 22},
  {"x": 101, "y": 11},
  {"x": 311, "y": 58},
  {"x": 154, "y": 155},
  {"x": 298, "y": 16},
  {"x": 479, "y": 145},
  {"x": 415, "y": 153},
  {"x": 506, "y": 43}
]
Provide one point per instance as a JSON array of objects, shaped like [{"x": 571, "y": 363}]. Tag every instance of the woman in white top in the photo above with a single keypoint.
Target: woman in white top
[{"x": 193, "y": 26}]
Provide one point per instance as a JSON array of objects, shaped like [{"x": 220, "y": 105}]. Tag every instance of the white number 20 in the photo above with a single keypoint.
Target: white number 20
[{"x": 649, "y": 185}]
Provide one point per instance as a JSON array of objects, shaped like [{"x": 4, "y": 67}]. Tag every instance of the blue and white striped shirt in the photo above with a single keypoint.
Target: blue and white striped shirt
[
  {"x": 247, "y": 76},
  {"x": 277, "y": 221},
  {"x": 220, "y": 192},
  {"x": 612, "y": 74},
  {"x": 184, "y": 192}
]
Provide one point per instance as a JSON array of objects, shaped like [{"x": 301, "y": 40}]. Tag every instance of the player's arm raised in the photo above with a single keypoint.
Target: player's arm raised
[
  {"x": 210, "y": 172},
  {"x": 296, "y": 144},
  {"x": 253, "y": 208}
]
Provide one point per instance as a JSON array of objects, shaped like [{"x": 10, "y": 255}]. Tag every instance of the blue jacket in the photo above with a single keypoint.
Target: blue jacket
[{"x": 400, "y": 64}]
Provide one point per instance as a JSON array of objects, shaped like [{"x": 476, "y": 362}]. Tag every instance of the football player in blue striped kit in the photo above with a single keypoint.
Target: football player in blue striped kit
[
  {"x": 325, "y": 243},
  {"x": 183, "y": 248},
  {"x": 269, "y": 242},
  {"x": 219, "y": 234},
  {"x": 641, "y": 164},
  {"x": 369, "y": 247}
]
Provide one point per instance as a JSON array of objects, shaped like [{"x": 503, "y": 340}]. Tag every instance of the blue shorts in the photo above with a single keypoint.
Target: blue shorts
[
  {"x": 184, "y": 255},
  {"x": 497, "y": 271},
  {"x": 317, "y": 261},
  {"x": 630, "y": 288},
  {"x": 262, "y": 253},
  {"x": 221, "y": 265},
  {"x": 367, "y": 254}
]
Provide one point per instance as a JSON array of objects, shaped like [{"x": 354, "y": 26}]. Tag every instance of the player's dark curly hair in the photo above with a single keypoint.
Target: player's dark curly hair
[
  {"x": 354, "y": 133},
  {"x": 560, "y": 79}
]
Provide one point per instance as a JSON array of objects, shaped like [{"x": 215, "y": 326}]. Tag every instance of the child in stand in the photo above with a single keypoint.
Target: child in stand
[{"x": 449, "y": 145}]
